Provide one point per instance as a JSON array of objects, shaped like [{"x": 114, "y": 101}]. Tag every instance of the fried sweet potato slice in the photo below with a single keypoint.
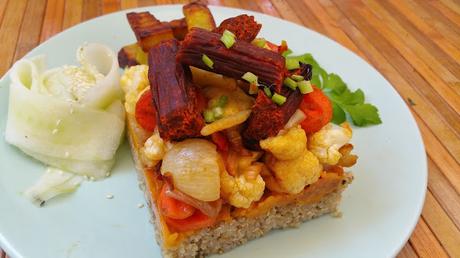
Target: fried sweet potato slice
[
  {"x": 127, "y": 55},
  {"x": 149, "y": 31},
  {"x": 174, "y": 96},
  {"x": 179, "y": 27},
  {"x": 198, "y": 15},
  {"x": 267, "y": 118},
  {"x": 233, "y": 62},
  {"x": 243, "y": 26},
  {"x": 130, "y": 55}
]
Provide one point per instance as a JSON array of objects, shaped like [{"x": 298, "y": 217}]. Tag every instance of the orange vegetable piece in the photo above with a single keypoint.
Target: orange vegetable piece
[
  {"x": 197, "y": 221},
  {"x": 173, "y": 208},
  {"x": 318, "y": 109},
  {"x": 146, "y": 115}
]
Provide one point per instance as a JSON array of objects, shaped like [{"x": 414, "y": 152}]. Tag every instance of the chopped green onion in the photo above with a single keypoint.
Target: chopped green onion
[
  {"x": 207, "y": 61},
  {"x": 297, "y": 77},
  {"x": 305, "y": 87},
  {"x": 228, "y": 38},
  {"x": 278, "y": 99},
  {"x": 292, "y": 63},
  {"x": 260, "y": 42},
  {"x": 268, "y": 92},
  {"x": 290, "y": 83},
  {"x": 222, "y": 101},
  {"x": 209, "y": 116},
  {"x": 249, "y": 77},
  {"x": 253, "y": 88},
  {"x": 218, "y": 112},
  {"x": 286, "y": 53}
]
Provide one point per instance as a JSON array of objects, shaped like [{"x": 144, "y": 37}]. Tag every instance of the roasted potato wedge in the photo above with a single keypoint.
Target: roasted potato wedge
[{"x": 198, "y": 15}]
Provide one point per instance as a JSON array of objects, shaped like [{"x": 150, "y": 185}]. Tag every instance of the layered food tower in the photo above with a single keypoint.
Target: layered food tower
[{"x": 230, "y": 139}]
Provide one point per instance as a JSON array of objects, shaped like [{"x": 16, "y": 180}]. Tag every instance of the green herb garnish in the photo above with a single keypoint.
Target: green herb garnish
[
  {"x": 228, "y": 38},
  {"x": 292, "y": 63},
  {"x": 297, "y": 77},
  {"x": 305, "y": 87},
  {"x": 207, "y": 61},
  {"x": 249, "y": 77},
  {"x": 268, "y": 92},
  {"x": 344, "y": 101},
  {"x": 290, "y": 83},
  {"x": 278, "y": 99}
]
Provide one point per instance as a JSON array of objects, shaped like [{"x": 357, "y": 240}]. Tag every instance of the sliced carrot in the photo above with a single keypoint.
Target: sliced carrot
[
  {"x": 173, "y": 208},
  {"x": 146, "y": 115},
  {"x": 197, "y": 221},
  {"x": 318, "y": 110}
]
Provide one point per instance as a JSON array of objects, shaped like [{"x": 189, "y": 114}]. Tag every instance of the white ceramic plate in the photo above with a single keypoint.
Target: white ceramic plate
[{"x": 380, "y": 208}]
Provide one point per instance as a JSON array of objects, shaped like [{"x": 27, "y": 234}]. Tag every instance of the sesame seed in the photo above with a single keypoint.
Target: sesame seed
[
  {"x": 71, "y": 110},
  {"x": 109, "y": 196},
  {"x": 55, "y": 130},
  {"x": 85, "y": 177},
  {"x": 58, "y": 122},
  {"x": 107, "y": 174},
  {"x": 140, "y": 205},
  {"x": 66, "y": 154},
  {"x": 92, "y": 178},
  {"x": 60, "y": 172}
]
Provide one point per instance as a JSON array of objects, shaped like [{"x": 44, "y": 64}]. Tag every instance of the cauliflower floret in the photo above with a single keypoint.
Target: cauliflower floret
[
  {"x": 134, "y": 82},
  {"x": 153, "y": 150},
  {"x": 288, "y": 146},
  {"x": 293, "y": 175},
  {"x": 325, "y": 143},
  {"x": 240, "y": 191}
]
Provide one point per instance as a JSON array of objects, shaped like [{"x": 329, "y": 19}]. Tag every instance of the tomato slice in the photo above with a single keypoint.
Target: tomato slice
[
  {"x": 221, "y": 141},
  {"x": 146, "y": 115},
  {"x": 173, "y": 208},
  {"x": 318, "y": 110},
  {"x": 197, "y": 221}
]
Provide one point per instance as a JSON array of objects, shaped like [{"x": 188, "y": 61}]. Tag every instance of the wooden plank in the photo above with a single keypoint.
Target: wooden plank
[
  {"x": 407, "y": 252},
  {"x": 446, "y": 11},
  {"x": 127, "y": 4},
  {"x": 331, "y": 27},
  {"x": 435, "y": 16},
  {"x": 424, "y": 69},
  {"x": 249, "y": 5},
  {"x": 435, "y": 149},
  {"x": 285, "y": 11},
  {"x": 451, "y": 4},
  {"x": 52, "y": 21},
  {"x": 426, "y": 42},
  {"x": 425, "y": 243},
  {"x": 429, "y": 114},
  {"x": 407, "y": 72},
  {"x": 426, "y": 29},
  {"x": 444, "y": 192},
  {"x": 29, "y": 35},
  {"x": 3, "y": 4},
  {"x": 448, "y": 31},
  {"x": 91, "y": 9},
  {"x": 231, "y": 3},
  {"x": 110, "y": 6},
  {"x": 267, "y": 7},
  {"x": 301, "y": 9},
  {"x": 441, "y": 225},
  {"x": 73, "y": 11},
  {"x": 9, "y": 32},
  {"x": 420, "y": 50}
]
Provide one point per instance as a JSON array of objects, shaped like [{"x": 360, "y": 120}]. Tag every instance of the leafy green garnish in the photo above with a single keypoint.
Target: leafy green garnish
[{"x": 344, "y": 101}]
